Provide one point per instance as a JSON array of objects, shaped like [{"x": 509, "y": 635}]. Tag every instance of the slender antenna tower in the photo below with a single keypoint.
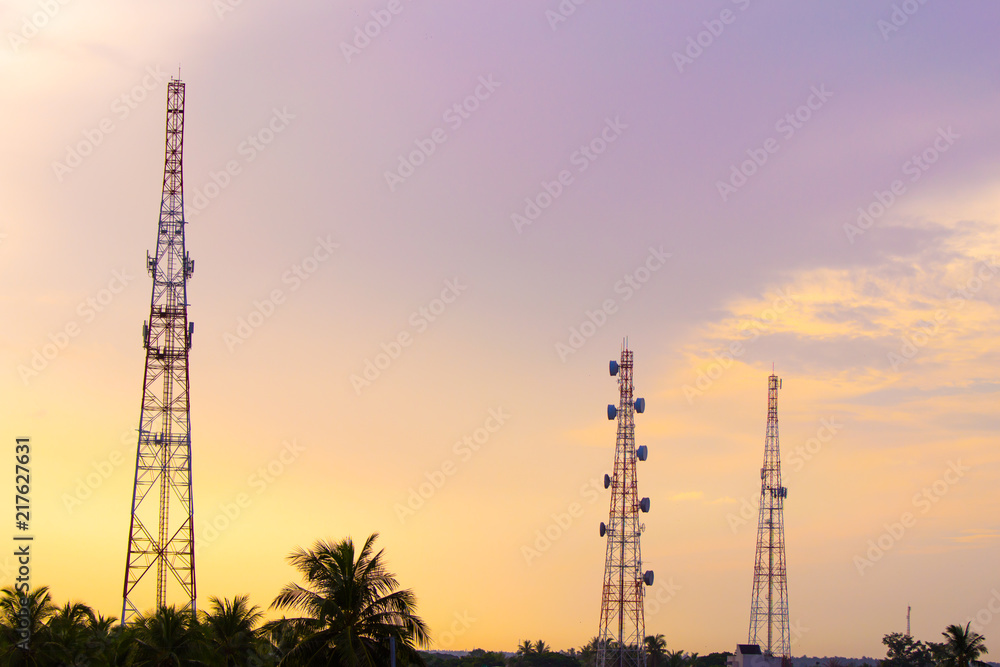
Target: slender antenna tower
[
  {"x": 907, "y": 620},
  {"x": 623, "y": 625},
  {"x": 769, "y": 604},
  {"x": 161, "y": 542}
]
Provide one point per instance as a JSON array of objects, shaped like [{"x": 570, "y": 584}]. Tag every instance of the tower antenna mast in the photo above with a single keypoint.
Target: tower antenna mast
[
  {"x": 161, "y": 533},
  {"x": 623, "y": 626},
  {"x": 769, "y": 604}
]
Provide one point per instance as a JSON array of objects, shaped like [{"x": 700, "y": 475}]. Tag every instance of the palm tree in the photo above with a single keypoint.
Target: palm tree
[
  {"x": 524, "y": 651},
  {"x": 230, "y": 630},
  {"x": 541, "y": 648},
  {"x": 67, "y": 634},
  {"x": 168, "y": 638},
  {"x": 351, "y": 607},
  {"x": 675, "y": 659},
  {"x": 656, "y": 650},
  {"x": 279, "y": 639},
  {"x": 108, "y": 641},
  {"x": 962, "y": 648},
  {"x": 588, "y": 652},
  {"x": 19, "y": 622}
]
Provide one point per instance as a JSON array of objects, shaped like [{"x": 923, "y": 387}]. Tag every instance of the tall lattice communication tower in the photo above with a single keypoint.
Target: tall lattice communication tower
[
  {"x": 623, "y": 625},
  {"x": 161, "y": 534},
  {"x": 769, "y": 604}
]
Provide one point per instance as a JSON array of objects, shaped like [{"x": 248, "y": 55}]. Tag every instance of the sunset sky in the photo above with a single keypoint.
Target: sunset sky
[{"x": 440, "y": 234}]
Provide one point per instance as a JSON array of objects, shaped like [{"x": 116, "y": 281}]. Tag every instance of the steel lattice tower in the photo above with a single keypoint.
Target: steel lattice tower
[
  {"x": 769, "y": 604},
  {"x": 623, "y": 625},
  {"x": 161, "y": 541}
]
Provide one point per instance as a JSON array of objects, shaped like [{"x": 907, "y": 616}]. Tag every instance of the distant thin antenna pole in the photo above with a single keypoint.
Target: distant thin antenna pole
[{"x": 907, "y": 620}]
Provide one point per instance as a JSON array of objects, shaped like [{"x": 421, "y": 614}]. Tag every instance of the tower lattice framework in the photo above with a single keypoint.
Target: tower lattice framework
[
  {"x": 623, "y": 626},
  {"x": 769, "y": 604},
  {"x": 161, "y": 534}
]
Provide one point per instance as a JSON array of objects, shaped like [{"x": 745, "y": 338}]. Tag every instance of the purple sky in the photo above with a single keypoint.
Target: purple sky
[{"x": 888, "y": 328}]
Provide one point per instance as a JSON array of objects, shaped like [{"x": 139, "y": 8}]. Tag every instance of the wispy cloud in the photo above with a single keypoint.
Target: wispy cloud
[
  {"x": 976, "y": 535},
  {"x": 686, "y": 495}
]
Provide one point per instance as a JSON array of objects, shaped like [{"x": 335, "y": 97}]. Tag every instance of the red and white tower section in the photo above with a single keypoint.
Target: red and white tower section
[
  {"x": 769, "y": 604},
  {"x": 622, "y": 618}
]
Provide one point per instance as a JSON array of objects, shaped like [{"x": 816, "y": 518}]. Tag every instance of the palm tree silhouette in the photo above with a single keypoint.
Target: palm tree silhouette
[
  {"x": 962, "y": 648},
  {"x": 67, "y": 634},
  {"x": 15, "y": 618},
  {"x": 108, "y": 642},
  {"x": 230, "y": 630},
  {"x": 588, "y": 652},
  {"x": 656, "y": 650},
  {"x": 351, "y": 607},
  {"x": 168, "y": 638},
  {"x": 676, "y": 659}
]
